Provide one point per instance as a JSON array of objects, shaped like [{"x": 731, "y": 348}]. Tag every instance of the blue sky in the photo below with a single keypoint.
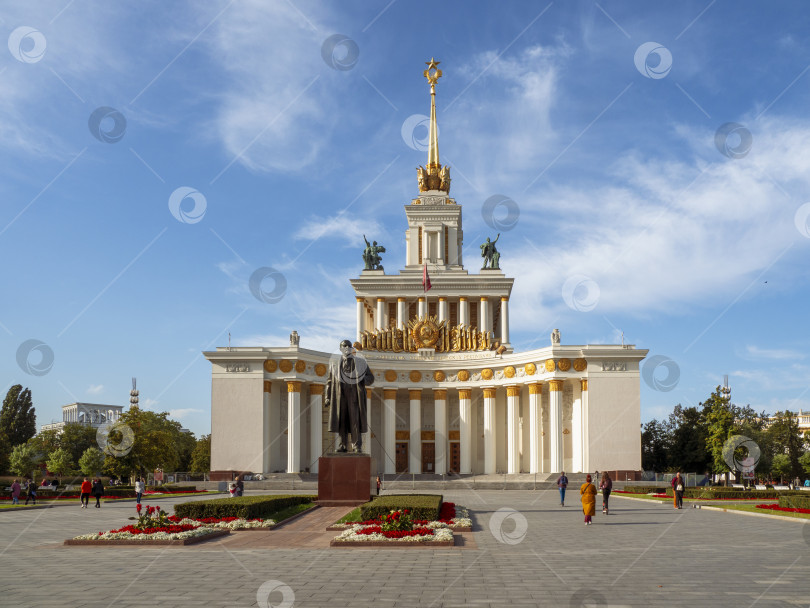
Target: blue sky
[{"x": 633, "y": 214}]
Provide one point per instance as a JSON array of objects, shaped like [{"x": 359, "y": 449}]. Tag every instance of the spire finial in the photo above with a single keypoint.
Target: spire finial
[{"x": 433, "y": 176}]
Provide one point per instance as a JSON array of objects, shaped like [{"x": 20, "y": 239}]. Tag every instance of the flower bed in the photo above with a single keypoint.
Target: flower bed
[
  {"x": 715, "y": 498},
  {"x": 398, "y": 528},
  {"x": 786, "y": 509}
]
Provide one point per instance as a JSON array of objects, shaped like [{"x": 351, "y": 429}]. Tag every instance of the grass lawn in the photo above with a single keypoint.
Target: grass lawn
[
  {"x": 353, "y": 515},
  {"x": 753, "y": 509},
  {"x": 280, "y": 516}
]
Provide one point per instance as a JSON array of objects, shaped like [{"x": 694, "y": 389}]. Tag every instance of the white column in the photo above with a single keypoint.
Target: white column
[
  {"x": 535, "y": 447},
  {"x": 586, "y": 461},
  {"x": 504, "y": 320},
  {"x": 512, "y": 429},
  {"x": 443, "y": 309},
  {"x": 576, "y": 432},
  {"x": 490, "y": 462},
  {"x": 463, "y": 311},
  {"x": 555, "y": 422},
  {"x": 266, "y": 436},
  {"x": 315, "y": 424},
  {"x": 361, "y": 315},
  {"x": 402, "y": 313},
  {"x": 379, "y": 321},
  {"x": 440, "y": 426},
  {"x": 415, "y": 443},
  {"x": 390, "y": 433},
  {"x": 422, "y": 308},
  {"x": 293, "y": 426},
  {"x": 366, "y": 437},
  {"x": 465, "y": 430},
  {"x": 483, "y": 315}
]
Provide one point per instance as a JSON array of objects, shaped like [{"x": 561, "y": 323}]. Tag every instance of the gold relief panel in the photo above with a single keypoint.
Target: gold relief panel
[
  {"x": 300, "y": 366},
  {"x": 564, "y": 365},
  {"x": 415, "y": 394},
  {"x": 555, "y": 386},
  {"x": 293, "y": 387},
  {"x": 464, "y": 393},
  {"x": 267, "y": 386},
  {"x": 389, "y": 393},
  {"x": 285, "y": 366},
  {"x": 486, "y": 373},
  {"x": 428, "y": 435},
  {"x": 463, "y": 375},
  {"x": 415, "y": 376},
  {"x": 390, "y": 376},
  {"x": 550, "y": 365},
  {"x": 536, "y": 389},
  {"x": 320, "y": 369},
  {"x": 510, "y": 371},
  {"x": 403, "y": 435},
  {"x": 530, "y": 369},
  {"x": 454, "y": 436},
  {"x": 583, "y": 384},
  {"x": 438, "y": 375},
  {"x": 270, "y": 366},
  {"x": 580, "y": 365},
  {"x": 513, "y": 391},
  {"x": 440, "y": 394},
  {"x": 316, "y": 389},
  {"x": 489, "y": 392}
]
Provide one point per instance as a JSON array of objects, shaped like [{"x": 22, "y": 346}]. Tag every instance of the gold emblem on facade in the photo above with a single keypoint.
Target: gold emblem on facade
[
  {"x": 580, "y": 365},
  {"x": 509, "y": 371},
  {"x": 300, "y": 366},
  {"x": 530, "y": 369},
  {"x": 390, "y": 375},
  {"x": 416, "y": 376},
  {"x": 270, "y": 366},
  {"x": 438, "y": 375},
  {"x": 550, "y": 366},
  {"x": 564, "y": 364},
  {"x": 320, "y": 369},
  {"x": 285, "y": 366},
  {"x": 486, "y": 373},
  {"x": 427, "y": 332},
  {"x": 463, "y": 375}
]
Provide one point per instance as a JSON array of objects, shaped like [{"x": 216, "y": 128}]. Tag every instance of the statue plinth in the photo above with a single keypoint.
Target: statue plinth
[{"x": 344, "y": 479}]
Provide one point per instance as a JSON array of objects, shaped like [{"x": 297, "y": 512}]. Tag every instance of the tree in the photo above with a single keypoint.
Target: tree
[
  {"x": 655, "y": 443},
  {"x": 76, "y": 438},
  {"x": 59, "y": 462},
  {"x": 91, "y": 461},
  {"x": 688, "y": 450},
  {"x": 18, "y": 419},
  {"x": 720, "y": 426},
  {"x": 787, "y": 440},
  {"x": 22, "y": 460},
  {"x": 43, "y": 444},
  {"x": 780, "y": 466},
  {"x": 201, "y": 456}
]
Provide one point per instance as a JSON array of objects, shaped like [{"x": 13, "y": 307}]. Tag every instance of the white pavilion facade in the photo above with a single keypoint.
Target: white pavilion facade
[{"x": 450, "y": 394}]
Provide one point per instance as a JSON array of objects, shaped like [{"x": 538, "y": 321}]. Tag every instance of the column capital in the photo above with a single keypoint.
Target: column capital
[
  {"x": 401, "y": 300},
  {"x": 484, "y": 299},
  {"x": 293, "y": 386},
  {"x": 555, "y": 386},
  {"x": 513, "y": 391},
  {"x": 465, "y": 393},
  {"x": 267, "y": 386},
  {"x": 536, "y": 388},
  {"x": 421, "y": 299},
  {"x": 440, "y": 394},
  {"x": 359, "y": 299},
  {"x": 462, "y": 299},
  {"x": 381, "y": 299},
  {"x": 368, "y": 393},
  {"x": 316, "y": 389},
  {"x": 415, "y": 394},
  {"x": 489, "y": 392},
  {"x": 389, "y": 393},
  {"x": 583, "y": 384},
  {"x": 504, "y": 298},
  {"x": 442, "y": 299}
]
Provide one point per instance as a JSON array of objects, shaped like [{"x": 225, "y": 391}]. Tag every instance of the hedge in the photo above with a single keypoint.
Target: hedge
[
  {"x": 249, "y": 507},
  {"x": 731, "y": 493},
  {"x": 644, "y": 489},
  {"x": 422, "y": 506},
  {"x": 795, "y": 502}
]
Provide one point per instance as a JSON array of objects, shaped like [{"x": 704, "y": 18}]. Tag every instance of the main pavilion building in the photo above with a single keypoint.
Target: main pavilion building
[{"x": 450, "y": 394}]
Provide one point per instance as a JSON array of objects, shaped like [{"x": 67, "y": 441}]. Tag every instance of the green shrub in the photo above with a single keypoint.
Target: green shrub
[
  {"x": 795, "y": 502},
  {"x": 248, "y": 507},
  {"x": 421, "y": 506},
  {"x": 644, "y": 489}
]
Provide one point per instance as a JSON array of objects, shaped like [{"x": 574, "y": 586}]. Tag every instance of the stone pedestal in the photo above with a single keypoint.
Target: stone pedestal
[{"x": 344, "y": 479}]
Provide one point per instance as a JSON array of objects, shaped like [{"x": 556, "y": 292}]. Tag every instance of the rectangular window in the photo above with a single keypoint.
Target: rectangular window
[
  {"x": 392, "y": 314},
  {"x": 453, "y": 313},
  {"x": 446, "y": 247},
  {"x": 473, "y": 313},
  {"x": 432, "y": 309}
]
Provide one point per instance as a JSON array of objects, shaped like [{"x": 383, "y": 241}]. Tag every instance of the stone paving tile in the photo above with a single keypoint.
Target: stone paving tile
[{"x": 641, "y": 555}]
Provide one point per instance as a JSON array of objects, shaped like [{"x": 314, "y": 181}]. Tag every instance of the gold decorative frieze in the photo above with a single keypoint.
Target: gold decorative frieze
[
  {"x": 320, "y": 369},
  {"x": 270, "y": 366},
  {"x": 268, "y": 386},
  {"x": 530, "y": 369},
  {"x": 550, "y": 365},
  {"x": 513, "y": 391},
  {"x": 463, "y": 375},
  {"x": 428, "y": 435},
  {"x": 536, "y": 389},
  {"x": 390, "y": 375},
  {"x": 415, "y": 376},
  {"x": 454, "y": 436},
  {"x": 509, "y": 371},
  {"x": 316, "y": 389},
  {"x": 555, "y": 386},
  {"x": 489, "y": 392},
  {"x": 403, "y": 435},
  {"x": 564, "y": 364},
  {"x": 438, "y": 375},
  {"x": 580, "y": 365},
  {"x": 285, "y": 366},
  {"x": 487, "y": 373},
  {"x": 464, "y": 393},
  {"x": 300, "y": 366},
  {"x": 427, "y": 332}
]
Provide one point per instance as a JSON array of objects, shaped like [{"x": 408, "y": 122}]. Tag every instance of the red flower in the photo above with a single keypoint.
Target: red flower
[{"x": 138, "y": 507}]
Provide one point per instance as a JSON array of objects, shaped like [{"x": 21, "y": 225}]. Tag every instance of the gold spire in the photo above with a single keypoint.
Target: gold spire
[{"x": 434, "y": 176}]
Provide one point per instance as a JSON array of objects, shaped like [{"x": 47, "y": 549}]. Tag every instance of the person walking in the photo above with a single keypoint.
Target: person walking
[
  {"x": 98, "y": 491},
  {"x": 240, "y": 486},
  {"x": 31, "y": 492},
  {"x": 86, "y": 488},
  {"x": 677, "y": 490},
  {"x": 588, "y": 493},
  {"x": 138, "y": 489},
  {"x": 606, "y": 485},
  {"x": 15, "y": 492},
  {"x": 562, "y": 483},
  {"x": 379, "y": 485}
]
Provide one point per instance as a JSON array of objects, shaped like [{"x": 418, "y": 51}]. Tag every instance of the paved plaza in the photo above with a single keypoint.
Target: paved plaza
[{"x": 525, "y": 551}]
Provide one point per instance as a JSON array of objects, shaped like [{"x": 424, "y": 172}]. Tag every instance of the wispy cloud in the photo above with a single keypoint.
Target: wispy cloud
[
  {"x": 754, "y": 352},
  {"x": 183, "y": 412},
  {"x": 95, "y": 389}
]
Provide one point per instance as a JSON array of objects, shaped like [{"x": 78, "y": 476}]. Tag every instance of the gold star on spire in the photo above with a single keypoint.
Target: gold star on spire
[{"x": 437, "y": 73}]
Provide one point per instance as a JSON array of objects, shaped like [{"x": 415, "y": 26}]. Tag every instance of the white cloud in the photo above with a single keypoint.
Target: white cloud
[
  {"x": 755, "y": 352},
  {"x": 183, "y": 412},
  {"x": 95, "y": 389},
  {"x": 148, "y": 403},
  {"x": 345, "y": 227}
]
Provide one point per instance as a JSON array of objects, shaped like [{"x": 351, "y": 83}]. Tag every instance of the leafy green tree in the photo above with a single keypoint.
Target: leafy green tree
[
  {"x": 720, "y": 426},
  {"x": 76, "y": 438},
  {"x": 201, "y": 456},
  {"x": 689, "y": 433},
  {"x": 59, "y": 462},
  {"x": 43, "y": 443},
  {"x": 91, "y": 461},
  {"x": 18, "y": 419},
  {"x": 787, "y": 441},
  {"x": 780, "y": 466},
  {"x": 22, "y": 460},
  {"x": 655, "y": 444},
  {"x": 804, "y": 460}
]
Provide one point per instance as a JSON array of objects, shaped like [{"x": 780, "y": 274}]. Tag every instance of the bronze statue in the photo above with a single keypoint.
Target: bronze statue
[
  {"x": 346, "y": 397},
  {"x": 490, "y": 254},
  {"x": 371, "y": 255}
]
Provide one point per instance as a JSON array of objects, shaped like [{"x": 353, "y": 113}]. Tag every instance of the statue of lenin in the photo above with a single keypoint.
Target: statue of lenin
[{"x": 346, "y": 397}]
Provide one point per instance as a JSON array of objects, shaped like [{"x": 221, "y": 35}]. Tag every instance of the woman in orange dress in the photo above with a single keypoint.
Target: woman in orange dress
[{"x": 588, "y": 492}]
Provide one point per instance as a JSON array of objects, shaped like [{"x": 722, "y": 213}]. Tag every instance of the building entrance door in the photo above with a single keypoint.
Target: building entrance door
[
  {"x": 402, "y": 457},
  {"x": 455, "y": 456},
  {"x": 428, "y": 457}
]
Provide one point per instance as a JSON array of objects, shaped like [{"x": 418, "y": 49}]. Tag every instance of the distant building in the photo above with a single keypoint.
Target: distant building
[{"x": 91, "y": 414}]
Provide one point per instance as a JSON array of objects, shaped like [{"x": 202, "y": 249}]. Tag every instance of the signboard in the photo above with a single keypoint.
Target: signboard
[{"x": 158, "y": 474}]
